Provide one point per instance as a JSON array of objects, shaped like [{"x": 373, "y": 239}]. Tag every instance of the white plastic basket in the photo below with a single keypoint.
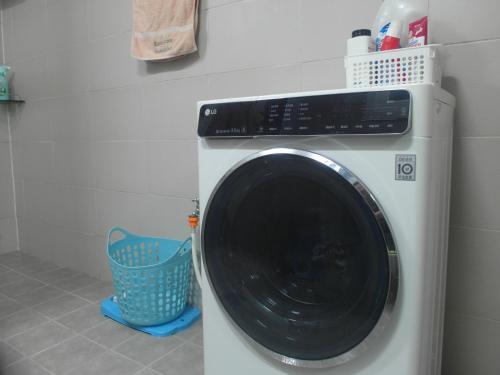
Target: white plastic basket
[{"x": 396, "y": 67}]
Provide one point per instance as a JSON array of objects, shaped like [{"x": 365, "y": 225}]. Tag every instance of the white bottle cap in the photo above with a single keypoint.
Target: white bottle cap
[{"x": 395, "y": 29}]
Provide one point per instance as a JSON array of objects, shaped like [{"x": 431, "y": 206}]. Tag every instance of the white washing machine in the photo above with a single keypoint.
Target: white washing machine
[{"x": 324, "y": 231}]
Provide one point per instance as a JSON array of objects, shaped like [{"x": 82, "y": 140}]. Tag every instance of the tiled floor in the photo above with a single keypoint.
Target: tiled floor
[{"x": 50, "y": 324}]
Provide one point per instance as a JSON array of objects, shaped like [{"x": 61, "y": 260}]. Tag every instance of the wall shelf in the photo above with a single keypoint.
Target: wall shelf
[{"x": 12, "y": 100}]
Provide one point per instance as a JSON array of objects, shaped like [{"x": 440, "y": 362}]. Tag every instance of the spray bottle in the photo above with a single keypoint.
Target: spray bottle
[{"x": 402, "y": 11}]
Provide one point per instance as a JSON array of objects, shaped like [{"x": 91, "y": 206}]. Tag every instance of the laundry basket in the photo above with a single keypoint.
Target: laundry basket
[{"x": 151, "y": 276}]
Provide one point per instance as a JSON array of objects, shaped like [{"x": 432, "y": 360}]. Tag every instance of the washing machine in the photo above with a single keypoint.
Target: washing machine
[{"x": 324, "y": 231}]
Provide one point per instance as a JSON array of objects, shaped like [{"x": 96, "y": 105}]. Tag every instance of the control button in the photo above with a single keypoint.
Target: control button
[
  {"x": 344, "y": 127},
  {"x": 391, "y": 127},
  {"x": 374, "y": 126}
]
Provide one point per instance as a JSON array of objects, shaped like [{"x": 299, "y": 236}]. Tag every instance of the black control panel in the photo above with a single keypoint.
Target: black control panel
[{"x": 360, "y": 113}]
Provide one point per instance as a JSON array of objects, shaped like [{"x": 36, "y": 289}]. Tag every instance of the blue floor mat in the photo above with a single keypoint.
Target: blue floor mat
[{"x": 110, "y": 309}]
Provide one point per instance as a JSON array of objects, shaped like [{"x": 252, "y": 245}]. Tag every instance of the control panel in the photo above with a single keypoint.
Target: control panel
[{"x": 359, "y": 113}]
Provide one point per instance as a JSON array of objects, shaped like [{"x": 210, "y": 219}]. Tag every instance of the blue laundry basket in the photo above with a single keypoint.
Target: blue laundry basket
[{"x": 151, "y": 276}]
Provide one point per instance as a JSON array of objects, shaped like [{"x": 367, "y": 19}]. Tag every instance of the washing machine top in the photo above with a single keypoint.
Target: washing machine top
[{"x": 384, "y": 112}]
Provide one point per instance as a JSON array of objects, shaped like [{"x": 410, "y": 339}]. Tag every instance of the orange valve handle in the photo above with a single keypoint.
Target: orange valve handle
[{"x": 193, "y": 221}]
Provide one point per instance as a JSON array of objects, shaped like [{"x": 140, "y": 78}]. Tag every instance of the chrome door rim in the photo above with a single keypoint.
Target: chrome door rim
[{"x": 390, "y": 245}]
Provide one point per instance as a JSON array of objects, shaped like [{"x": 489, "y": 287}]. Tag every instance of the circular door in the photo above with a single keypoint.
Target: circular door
[{"x": 300, "y": 257}]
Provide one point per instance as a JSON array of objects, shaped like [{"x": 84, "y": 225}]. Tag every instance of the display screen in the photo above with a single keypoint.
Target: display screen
[{"x": 375, "y": 112}]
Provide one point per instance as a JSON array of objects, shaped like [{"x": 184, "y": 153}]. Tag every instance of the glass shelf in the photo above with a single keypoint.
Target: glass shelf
[{"x": 12, "y": 100}]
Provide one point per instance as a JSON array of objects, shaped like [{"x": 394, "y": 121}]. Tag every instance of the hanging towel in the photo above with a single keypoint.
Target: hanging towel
[{"x": 164, "y": 29}]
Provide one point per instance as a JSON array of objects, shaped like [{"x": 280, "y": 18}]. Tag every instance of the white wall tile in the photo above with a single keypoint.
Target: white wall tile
[
  {"x": 255, "y": 82},
  {"x": 471, "y": 346},
  {"x": 323, "y": 75},
  {"x": 170, "y": 108},
  {"x": 41, "y": 201},
  {"x": 454, "y": 21},
  {"x": 67, "y": 23},
  {"x": 76, "y": 209},
  {"x": 30, "y": 79},
  {"x": 473, "y": 278},
  {"x": 254, "y": 34},
  {"x": 143, "y": 214},
  {"x": 75, "y": 163},
  {"x": 70, "y": 118},
  {"x": 471, "y": 74},
  {"x": 20, "y": 205},
  {"x": 110, "y": 63},
  {"x": 326, "y": 25},
  {"x": 4, "y": 129},
  {"x": 5, "y": 165},
  {"x": 476, "y": 183},
  {"x": 30, "y": 121},
  {"x": 89, "y": 254},
  {"x": 108, "y": 17},
  {"x": 6, "y": 197},
  {"x": 206, "y": 4},
  {"x": 120, "y": 166},
  {"x": 68, "y": 72},
  {"x": 25, "y": 28},
  {"x": 8, "y": 235},
  {"x": 39, "y": 238},
  {"x": 118, "y": 114},
  {"x": 173, "y": 168},
  {"x": 33, "y": 161}
]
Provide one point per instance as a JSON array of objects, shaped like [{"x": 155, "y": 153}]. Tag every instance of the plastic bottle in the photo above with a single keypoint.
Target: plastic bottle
[
  {"x": 360, "y": 43},
  {"x": 392, "y": 39},
  {"x": 406, "y": 11}
]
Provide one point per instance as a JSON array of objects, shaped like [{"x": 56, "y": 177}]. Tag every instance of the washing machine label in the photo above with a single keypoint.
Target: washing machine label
[{"x": 406, "y": 167}]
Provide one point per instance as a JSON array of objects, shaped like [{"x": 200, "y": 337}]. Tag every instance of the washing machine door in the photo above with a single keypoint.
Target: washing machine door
[{"x": 300, "y": 257}]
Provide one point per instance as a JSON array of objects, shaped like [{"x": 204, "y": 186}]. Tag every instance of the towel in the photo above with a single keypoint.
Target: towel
[{"x": 164, "y": 29}]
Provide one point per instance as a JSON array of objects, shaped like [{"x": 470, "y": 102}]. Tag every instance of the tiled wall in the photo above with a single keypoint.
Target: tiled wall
[
  {"x": 105, "y": 140},
  {"x": 8, "y": 230}
]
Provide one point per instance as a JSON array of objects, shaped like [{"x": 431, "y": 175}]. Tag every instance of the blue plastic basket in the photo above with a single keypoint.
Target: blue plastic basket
[{"x": 151, "y": 276}]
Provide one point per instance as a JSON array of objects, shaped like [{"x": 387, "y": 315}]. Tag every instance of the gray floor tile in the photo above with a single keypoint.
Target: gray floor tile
[
  {"x": 55, "y": 275},
  {"x": 60, "y": 306},
  {"x": 39, "y": 338},
  {"x": 25, "y": 367},
  {"x": 20, "y": 322},
  {"x": 68, "y": 355},
  {"x": 109, "y": 333},
  {"x": 198, "y": 339},
  {"x": 9, "y": 306},
  {"x": 191, "y": 332},
  {"x": 96, "y": 292},
  {"x": 75, "y": 282},
  {"x": 18, "y": 260},
  {"x": 82, "y": 319},
  {"x": 24, "y": 262},
  {"x": 145, "y": 349},
  {"x": 32, "y": 269},
  {"x": 8, "y": 355},
  {"x": 39, "y": 295},
  {"x": 10, "y": 277},
  {"x": 108, "y": 364},
  {"x": 20, "y": 287},
  {"x": 186, "y": 360}
]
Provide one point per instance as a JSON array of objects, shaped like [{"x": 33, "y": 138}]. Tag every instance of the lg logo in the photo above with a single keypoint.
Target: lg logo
[{"x": 210, "y": 112}]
